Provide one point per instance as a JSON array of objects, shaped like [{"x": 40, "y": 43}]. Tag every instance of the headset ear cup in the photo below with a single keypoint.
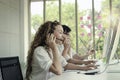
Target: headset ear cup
[{"x": 51, "y": 31}]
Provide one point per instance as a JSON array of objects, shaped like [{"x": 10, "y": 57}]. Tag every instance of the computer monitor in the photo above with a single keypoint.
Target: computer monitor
[
  {"x": 106, "y": 43},
  {"x": 110, "y": 45},
  {"x": 114, "y": 67},
  {"x": 116, "y": 41},
  {"x": 112, "y": 40},
  {"x": 106, "y": 49}
]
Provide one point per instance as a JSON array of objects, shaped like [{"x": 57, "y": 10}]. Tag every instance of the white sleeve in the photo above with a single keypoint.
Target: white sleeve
[
  {"x": 64, "y": 62},
  {"x": 72, "y": 53},
  {"x": 42, "y": 58},
  {"x": 67, "y": 57}
]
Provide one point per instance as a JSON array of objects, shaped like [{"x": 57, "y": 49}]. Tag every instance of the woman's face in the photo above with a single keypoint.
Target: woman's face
[{"x": 58, "y": 32}]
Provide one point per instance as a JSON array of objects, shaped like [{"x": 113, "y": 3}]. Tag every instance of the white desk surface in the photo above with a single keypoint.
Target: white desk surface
[{"x": 76, "y": 76}]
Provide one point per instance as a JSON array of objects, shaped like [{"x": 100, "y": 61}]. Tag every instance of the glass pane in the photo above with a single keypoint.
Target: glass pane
[
  {"x": 52, "y": 10},
  {"x": 102, "y": 24},
  {"x": 68, "y": 18},
  {"x": 36, "y": 16},
  {"x": 84, "y": 25}
]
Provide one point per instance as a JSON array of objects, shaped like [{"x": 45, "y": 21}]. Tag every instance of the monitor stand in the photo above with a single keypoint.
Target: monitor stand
[{"x": 114, "y": 66}]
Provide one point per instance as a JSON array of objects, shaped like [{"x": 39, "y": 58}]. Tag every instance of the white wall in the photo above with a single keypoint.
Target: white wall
[
  {"x": 9, "y": 28},
  {"x": 14, "y": 28}
]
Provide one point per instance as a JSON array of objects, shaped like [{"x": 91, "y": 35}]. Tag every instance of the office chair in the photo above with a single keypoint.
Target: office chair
[{"x": 10, "y": 68}]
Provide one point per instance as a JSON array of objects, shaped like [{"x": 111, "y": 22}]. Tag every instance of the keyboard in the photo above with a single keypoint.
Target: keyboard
[
  {"x": 88, "y": 71},
  {"x": 98, "y": 64}
]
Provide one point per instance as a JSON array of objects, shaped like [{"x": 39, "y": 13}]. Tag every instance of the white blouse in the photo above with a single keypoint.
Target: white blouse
[
  {"x": 42, "y": 60},
  {"x": 70, "y": 55}
]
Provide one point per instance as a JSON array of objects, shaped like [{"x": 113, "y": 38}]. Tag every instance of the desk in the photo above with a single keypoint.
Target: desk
[{"x": 76, "y": 76}]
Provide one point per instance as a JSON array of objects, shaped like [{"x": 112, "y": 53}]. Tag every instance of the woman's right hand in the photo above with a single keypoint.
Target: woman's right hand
[
  {"x": 85, "y": 68},
  {"x": 89, "y": 62},
  {"x": 67, "y": 43},
  {"x": 89, "y": 67},
  {"x": 50, "y": 41},
  {"x": 90, "y": 52}
]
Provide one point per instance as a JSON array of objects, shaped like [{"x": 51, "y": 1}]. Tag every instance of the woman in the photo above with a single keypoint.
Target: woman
[
  {"x": 43, "y": 56},
  {"x": 70, "y": 55}
]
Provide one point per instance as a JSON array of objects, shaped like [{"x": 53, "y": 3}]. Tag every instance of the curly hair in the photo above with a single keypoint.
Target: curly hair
[{"x": 39, "y": 40}]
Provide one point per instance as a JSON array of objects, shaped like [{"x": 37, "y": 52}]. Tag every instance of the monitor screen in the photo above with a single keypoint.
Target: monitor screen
[
  {"x": 106, "y": 46},
  {"x": 111, "y": 42},
  {"x": 116, "y": 41}
]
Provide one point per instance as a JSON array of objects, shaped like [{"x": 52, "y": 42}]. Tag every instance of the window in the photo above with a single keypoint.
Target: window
[
  {"x": 68, "y": 18},
  {"x": 36, "y": 16},
  {"x": 84, "y": 25},
  {"x": 52, "y": 10},
  {"x": 88, "y": 20}
]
